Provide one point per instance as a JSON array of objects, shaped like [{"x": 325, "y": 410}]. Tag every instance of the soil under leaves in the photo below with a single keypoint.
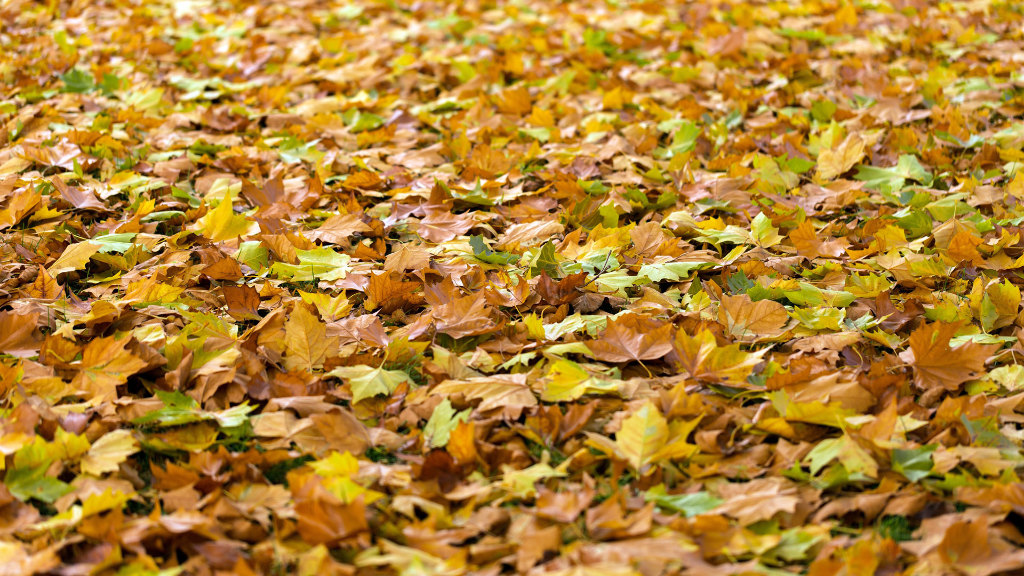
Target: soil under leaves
[{"x": 357, "y": 287}]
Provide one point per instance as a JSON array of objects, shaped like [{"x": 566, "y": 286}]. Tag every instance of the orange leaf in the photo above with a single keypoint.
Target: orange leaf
[
  {"x": 810, "y": 246},
  {"x": 632, "y": 337},
  {"x": 936, "y": 364}
]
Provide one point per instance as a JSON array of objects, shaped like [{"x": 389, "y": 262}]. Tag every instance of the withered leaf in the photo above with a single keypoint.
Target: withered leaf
[{"x": 633, "y": 337}]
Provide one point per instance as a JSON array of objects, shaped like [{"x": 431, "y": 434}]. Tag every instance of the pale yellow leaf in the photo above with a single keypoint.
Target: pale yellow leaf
[{"x": 108, "y": 452}]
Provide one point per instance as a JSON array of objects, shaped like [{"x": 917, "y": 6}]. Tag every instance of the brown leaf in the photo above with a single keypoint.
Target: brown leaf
[
  {"x": 337, "y": 229},
  {"x": 17, "y": 333},
  {"x": 743, "y": 317},
  {"x": 561, "y": 292},
  {"x": 443, "y": 226},
  {"x": 243, "y": 302},
  {"x": 322, "y": 517},
  {"x": 936, "y": 364},
  {"x": 466, "y": 316},
  {"x": 633, "y": 337},
  {"x": 810, "y": 246},
  {"x": 390, "y": 292}
]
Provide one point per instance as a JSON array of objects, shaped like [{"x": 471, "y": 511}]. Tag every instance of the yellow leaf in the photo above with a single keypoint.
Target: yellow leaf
[
  {"x": 44, "y": 286},
  {"x": 742, "y": 316},
  {"x": 222, "y": 223},
  {"x": 330, "y": 307},
  {"x": 106, "y": 365},
  {"x": 109, "y": 451},
  {"x": 74, "y": 257},
  {"x": 642, "y": 435},
  {"x": 567, "y": 381},
  {"x": 18, "y": 207},
  {"x": 151, "y": 291},
  {"x": 366, "y": 381},
  {"x": 305, "y": 340},
  {"x": 703, "y": 359},
  {"x": 1016, "y": 186},
  {"x": 834, "y": 163}
]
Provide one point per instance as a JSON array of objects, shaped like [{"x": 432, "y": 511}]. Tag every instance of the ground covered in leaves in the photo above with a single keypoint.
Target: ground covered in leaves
[{"x": 613, "y": 287}]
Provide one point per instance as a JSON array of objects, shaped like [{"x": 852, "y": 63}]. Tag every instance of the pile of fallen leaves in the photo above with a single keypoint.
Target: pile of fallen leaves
[{"x": 598, "y": 287}]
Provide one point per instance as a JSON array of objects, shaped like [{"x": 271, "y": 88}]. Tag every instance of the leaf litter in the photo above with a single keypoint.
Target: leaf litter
[{"x": 536, "y": 287}]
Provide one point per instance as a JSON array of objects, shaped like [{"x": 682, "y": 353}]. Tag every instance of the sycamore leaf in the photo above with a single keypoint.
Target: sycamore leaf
[
  {"x": 306, "y": 342},
  {"x": 444, "y": 226},
  {"x": 809, "y": 245},
  {"x": 338, "y": 228},
  {"x": 743, "y": 317},
  {"x": 466, "y": 316},
  {"x": 642, "y": 435},
  {"x": 702, "y": 358},
  {"x": 567, "y": 381},
  {"x": 16, "y": 332},
  {"x": 105, "y": 365},
  {"x": 73, "y": 258},
  {"x": 443, "y": 420},
  {"x": 318, "y": 264},
  {"x": 367, "y": 381},
  {"x": 507, "y": 391},
  {"x": 690, "y": 504},
  {"x": 632, "y": 337},
  {"x": 221, "y": 223},
  {"x": 763, "y": 233},
  {"x": 836, "y": 162},
  {"x": 108, "y": 452},
  {"x": 936, "y": 364}
]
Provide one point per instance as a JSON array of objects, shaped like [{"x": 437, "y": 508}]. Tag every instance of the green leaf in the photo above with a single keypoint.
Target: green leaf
[
  {"x": 822, "y": 110},
  {"x": 78, "y": 81},
  {"x": 442, "y": 421},
  {"x": 915, "y": 463},
  {"x": 547, "y": 262},
  {"x": 367, "y": 381},
  {"x": 689, "y": 505},
  {"x": 26, "y": 483},
  {"x": 671, "y": 271},
  {"x": 317, "y": 264},
  {"x": 763, "y": 233},
  {"x": 483, "y": 252},
  {"x": 178, "y": 409},
  {"x": 181, "y": 409},
  {"x": 119, "y": 243}
]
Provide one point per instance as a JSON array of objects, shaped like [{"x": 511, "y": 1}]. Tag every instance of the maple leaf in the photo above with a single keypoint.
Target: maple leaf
[
  {"x": 810, "y": 246},
  {"x": 701, "y": 357},
  {"x": 108, "y": 452},
  {"x": 466, "y": 316},
  {"x": 633, "y": 337},
  {"x": 221, "y": 223},
  {"x": 105, "y": 365},
  {"x": 443, "y": 226},
  {"x": 338, "y": 228},
  {"x": 742, "y": 316},
  {"x": 306, "y": 341},
  {"x": 835, "y": 162},
  {"x": 366, "y": 381},
  {"x": 937, "y": 364}
]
